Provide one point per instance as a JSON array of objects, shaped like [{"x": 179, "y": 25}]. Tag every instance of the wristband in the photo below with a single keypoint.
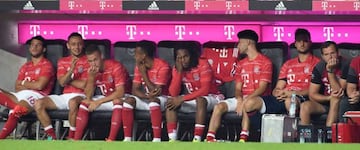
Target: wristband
[{"x": 330, "y": 71}]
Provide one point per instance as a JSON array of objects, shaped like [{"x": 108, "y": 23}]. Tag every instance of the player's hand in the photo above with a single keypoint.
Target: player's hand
[
  {"x": 239, "y": 107},
  {"x": 280, "y": 95},
  {"x": 155, "y": 93},
  {"x": 174, "y": 102},
  {"x": 93, "y": 70},
  {"x": 73, "y": 63},
  {"x": 93, "y": 105},
  {"x": 331, "y": 64},
  {"x": 354, "y": 97},
  {"x": 142, "y": 68},
  {"x": 178, "y": 65},
  {"x": 337, "y": 94}
]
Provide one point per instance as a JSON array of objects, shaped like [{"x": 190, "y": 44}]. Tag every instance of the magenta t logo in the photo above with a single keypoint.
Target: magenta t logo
[
  {"x": 228, "y": 5},
  {"x": 324, "y": 5},
  {"x": 131, "y": 31},
  {"x": 35, "y": 30},
  {"x": 328, "y": 33},
  {"x": 180, "y": 31},
  {"x": 356, "y": 5},
  {"x": 197, "y": 5},
  {"x": 278, "y": 33},
  {"x": 83, "y": 30},
  {"x": 71, "y": 4},
  {"x": 102, "y": 4},
  {"x": 229, "y": 31}
]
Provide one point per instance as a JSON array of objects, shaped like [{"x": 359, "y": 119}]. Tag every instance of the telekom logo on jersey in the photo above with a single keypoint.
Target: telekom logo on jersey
[{"x": 198, "y": 31}]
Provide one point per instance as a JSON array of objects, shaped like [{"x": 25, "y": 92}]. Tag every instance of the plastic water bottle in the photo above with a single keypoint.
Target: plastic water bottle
[
  {"x": 292, "y": 109},
  {"x": 320, "y": 136},
  {"x": 302, "y": 138}
]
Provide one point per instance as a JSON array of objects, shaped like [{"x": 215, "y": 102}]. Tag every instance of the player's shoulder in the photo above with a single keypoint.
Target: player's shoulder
[
  {"x": 64, "y": 59},
  {"x": 160, "y": 62},
  {"x": 264, "y": 58}
]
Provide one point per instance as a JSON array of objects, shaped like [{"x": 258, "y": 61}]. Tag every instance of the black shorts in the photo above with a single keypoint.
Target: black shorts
[{"x": 274, "y": 106}]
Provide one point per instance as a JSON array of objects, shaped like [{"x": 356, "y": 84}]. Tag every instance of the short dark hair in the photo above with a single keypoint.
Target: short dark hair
[
  {"x": 191, "y": 48},
  {"x": 74, "y": 34},
  {"x": 302, "y": 34},
  {"x": 327, "y": 44},
  {"x": 92, "y": 48},
  {"x": 248, "y": 34},
  {"x": 148, "y": 47},
  {"x": 40, "y": 38}
]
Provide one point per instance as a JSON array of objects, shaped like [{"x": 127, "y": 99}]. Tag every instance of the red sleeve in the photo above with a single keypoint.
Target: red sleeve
[
  {"x": 120, "y": 74},
  {"x": 47, "y": 70},
  {"x": 206, "y": 77},
  {"x": 61, "y": 69},
  {"x": 164, "y": 77},
  {"x": 175, "y": 85},
  {"x": 266, "y": 71},
  {"x": 21, "y": 75},
  {"x": 283, "y": 71},
  {"x": 137, "y": 76},
  {"x": 238, "y": 68}
]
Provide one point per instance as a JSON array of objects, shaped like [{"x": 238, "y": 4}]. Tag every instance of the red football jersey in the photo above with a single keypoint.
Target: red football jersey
[
  {"x": 114, "y": 75},
  {"x": 251, "y": 72},
  {"x": 159, "y": 74},
  {"x": 80, "y": 72},
  {"x": 298, "y": 74},
  {"x": 31, "y": 72},
  {"x": 222, "y": 62},
  {"x": 192, "y": 80},
  {"x": 354, "y": 71}
]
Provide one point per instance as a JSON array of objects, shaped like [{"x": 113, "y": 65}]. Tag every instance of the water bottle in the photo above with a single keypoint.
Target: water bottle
[
  {"x": 302, "y": 138},
  {"x": 292, "y": 109},
  {"x": 320, "y": 136}
]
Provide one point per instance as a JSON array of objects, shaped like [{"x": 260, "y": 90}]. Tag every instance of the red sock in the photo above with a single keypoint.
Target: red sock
[
  {"x": 71, "y": 134},
  {"x": 171, "y": 127},
  {"x": 128, "y": 119},
  {"x": 9, "y": 126},
  {"x": 81, "y": 121},
  {"x": 50, "y": 131},
  {"x": 116, "y": 121},
  {"x": 244, "y": 135},
  {"x": 210, "y": 137},
  {"x": 156, "y": 119},
  {"x": 6, "y": 101},
  {"x": 199, "y": 130}
]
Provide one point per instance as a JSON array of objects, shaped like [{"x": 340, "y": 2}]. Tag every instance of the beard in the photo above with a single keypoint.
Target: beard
[
  {"x": 304, "y": 52},
  {"x": 36, "y": 55}
]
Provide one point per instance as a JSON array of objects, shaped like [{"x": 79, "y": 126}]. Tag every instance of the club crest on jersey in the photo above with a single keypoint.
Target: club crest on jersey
[
  {"x": 307, "y": 69},
  {"x": 210, "y": 62},
  {"x": 257, "y": 69},
  {"x": 196, "y": 77},
  {"x": 290, "y": 70},
  {"x": 37, "y": 71},
  {"x": 110, "y": 79},
  {"x": 26, "y": 73},
  {"x": 98, "y": 82},
  {"x": 80, "y": 69},
  {"x": 68, "y": 69}
]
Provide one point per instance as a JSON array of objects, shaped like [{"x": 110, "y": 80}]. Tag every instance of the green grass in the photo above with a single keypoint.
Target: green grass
[{"x": 101, "y": 145}]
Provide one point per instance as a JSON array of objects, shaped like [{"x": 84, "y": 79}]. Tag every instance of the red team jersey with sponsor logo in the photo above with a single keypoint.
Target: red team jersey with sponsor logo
[
  {"x": 114, "y": 75},
  {"x": 320, "y": 75},
  {"x": 192, "y": 80},
  {"x": 31, "y": 72},
  {"x": 222, "y": 62},
  {"x": 159, "y": 74},
  {"x": 354, "y": 71},
  {"x": 251, "y": 72},
  {"x": 80, "y": 72},
  {"x": 298, "y": 74}
]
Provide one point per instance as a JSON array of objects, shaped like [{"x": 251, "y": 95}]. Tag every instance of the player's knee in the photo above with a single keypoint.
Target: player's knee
[
  {"x": 130, "y": 100},
  {"x": 305, "y": 107},
  {"x": 117, "y": 101},
  {"x": 219, "y": 108},
  {"x": 155, "y": 100},
  {"x": 39, "y": 105}
]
